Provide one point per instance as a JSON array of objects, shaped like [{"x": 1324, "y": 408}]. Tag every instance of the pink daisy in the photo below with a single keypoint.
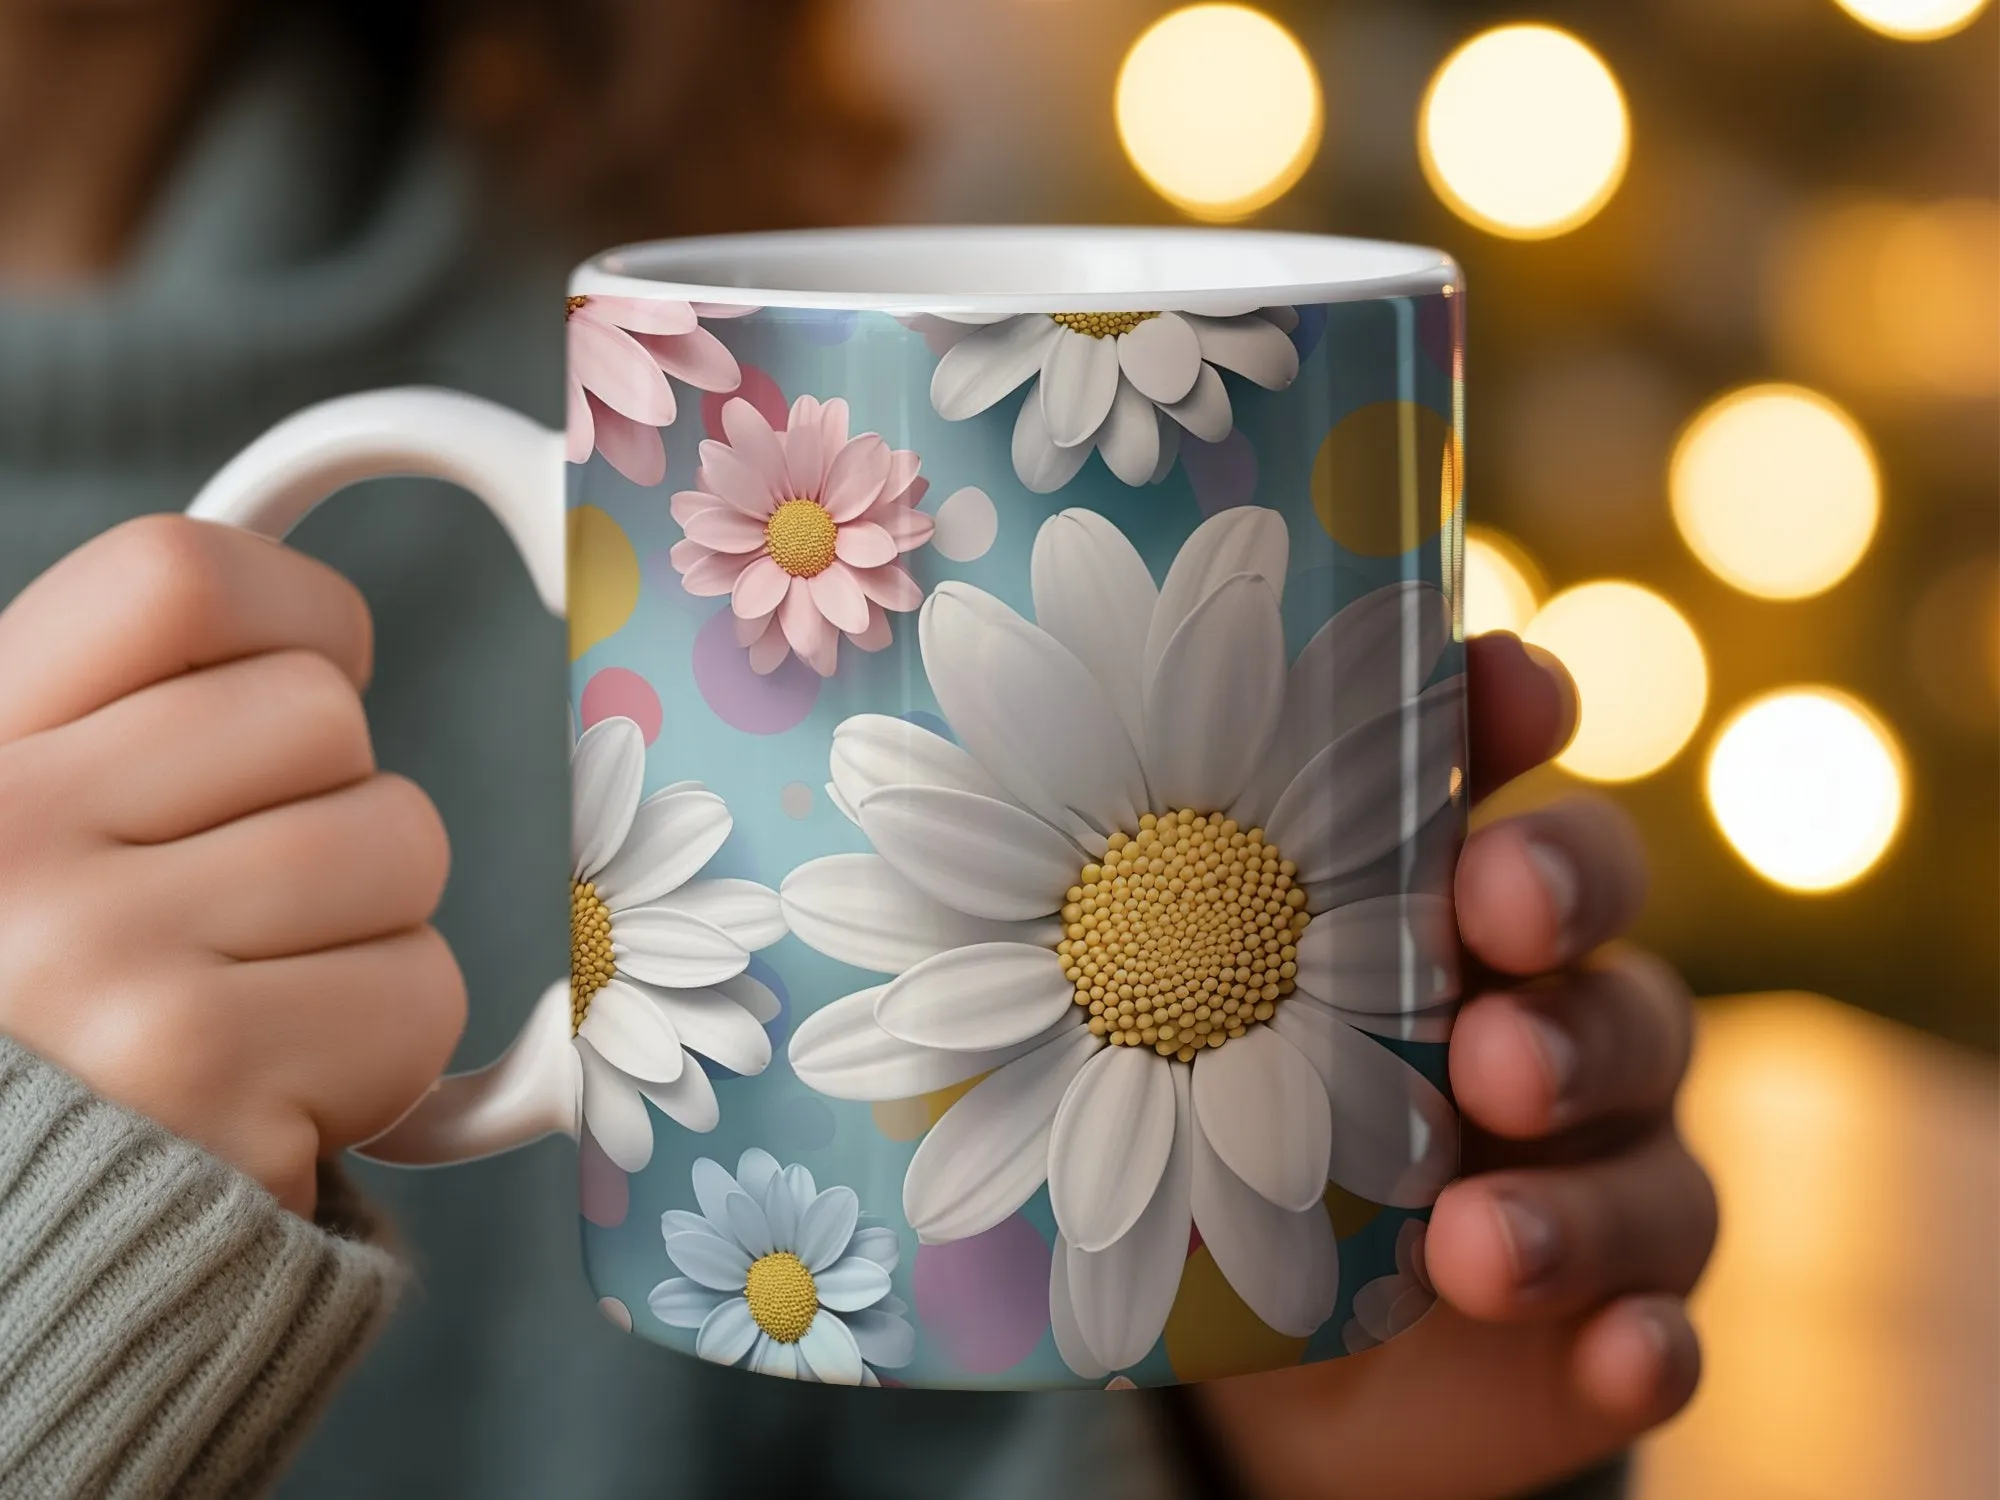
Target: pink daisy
[
  {"x": 621, "y": 351},
  {"x": 802, "y": 529}
]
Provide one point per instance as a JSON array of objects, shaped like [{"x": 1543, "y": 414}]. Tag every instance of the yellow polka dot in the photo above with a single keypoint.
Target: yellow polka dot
[
  {"x": 906, "y": 1119},
  {"x": 1387, "y": 478},
  {"x": 1350, "y": 1214},
  {"x": 603, "y": 579},
  {"x": 1211, "y": 1333}
]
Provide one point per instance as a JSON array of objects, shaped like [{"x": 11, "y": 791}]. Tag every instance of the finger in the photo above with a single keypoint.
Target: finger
[
  {"x": 1638, "y": 1361},
  {"x": 364, "y": 862},
  {"x": 1544, "y": 888},
  {"x": 200, "y": 750},
  {"x": 160, "y": 596},
  {"x": 1610, "y": 1039},
  {"x": 1521, "y": 709},
  {"x": 1522, "y": 1244}
]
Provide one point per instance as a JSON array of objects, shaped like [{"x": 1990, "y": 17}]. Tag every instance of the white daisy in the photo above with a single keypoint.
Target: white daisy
[
  {"x": 1155, "y": 892},
  {"x": 1108, "y": 382},
  {"x": 1388, "y": 1305},
  {"x": 781, "y": 1277}
]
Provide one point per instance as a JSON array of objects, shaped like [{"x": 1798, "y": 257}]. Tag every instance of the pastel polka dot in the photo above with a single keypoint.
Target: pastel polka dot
[
  {"x": 604, "y": 1191},
  {"x": 1350, "y": 1214},
  {"x": 615, "y": 1312},
  {"x": 1120, "y": 1383},
  {"x": 616, "y": 693},
  {"x": 1223, "y": 474},
  {"x": 907, "y": 1119},
  {"x": 967, "y": 524},
  {"x": 802, "y": 1124},
  {"x": 1311, "y": 330},
  {"x": 603, "y": 579},
  {"x": 796, "y": 798},
  {"x": 742, "y": 699},
  {"x": 759, "y": 389},
  {"x": 823, "y": 328},
  {"x": 985, "y": 1300},
  {"x": 1211, "y": 1333},
  {"x": 1360, "y": 492}
]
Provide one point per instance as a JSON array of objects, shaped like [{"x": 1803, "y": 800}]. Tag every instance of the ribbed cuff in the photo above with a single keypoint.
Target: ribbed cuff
[{"x": 166, "y": 1328}]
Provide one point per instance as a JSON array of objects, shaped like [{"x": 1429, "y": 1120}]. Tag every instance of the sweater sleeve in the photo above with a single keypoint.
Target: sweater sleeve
[{"x": 166, "y": 1328}]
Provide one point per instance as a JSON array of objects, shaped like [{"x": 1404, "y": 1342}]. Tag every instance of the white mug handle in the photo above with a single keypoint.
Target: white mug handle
[{"x": 516, "y": 467}]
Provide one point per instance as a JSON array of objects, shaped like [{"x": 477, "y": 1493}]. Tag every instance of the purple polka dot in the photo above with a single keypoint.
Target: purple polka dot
[
  {"x": 616, "y": 693},
  {"x": 1312, "y": 328},
  {"x": 1437, "y": 332},
  {"x": 986, "y": 1299},
  {"x": 742, "y": 699},
  {"x": 802, "y": 1124},
  {"x": 824, "y": 328},
  {"x": 1223, "y": 474},
  {"x": 606, "y": 1192},
  {"x": 759, "y": 389}
]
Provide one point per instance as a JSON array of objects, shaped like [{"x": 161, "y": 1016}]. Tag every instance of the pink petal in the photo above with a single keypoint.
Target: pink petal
[
  {"x": 750, "y": 632},
  {"x": 726, "y": 530},
  {"x": 903, "y": 466},
  {"x": 825, "y": 659},
  {"x": 910, "y": 529},
  {"x": 854, "y": 479},
  {"x": 756, "y": 444},
  {"x": 838, "y": 596},
  {"x": 619, "y": 373},
  {"x": 760, "y": 589},
  {"x": 580, "y": 433},
  {"x": 863, "y": 544},
  {"x": 805, "y": 462},
  {"x": 714, "y": 575},
  {"x": 892, "y": 587},
  {"x": 730, "y": 477},
  {"x": 637, "y": 314},
  {"x": 768, "y": 652},
  {"x": 685, "y": 554},
  {"x": 832, "y": 430},
  {"x": 878, "y": 634},
  {"x": 687, "y": 502},
  {"x": 804, "y": 626},
  {"x": 632, "y": 448},
  {"x": 699, "y": 358},
  {"x": 723, "y": 309}
]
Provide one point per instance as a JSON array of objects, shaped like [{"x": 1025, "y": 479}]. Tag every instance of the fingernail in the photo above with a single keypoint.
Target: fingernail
[
  {"x": 1531, "y": 1241},
  {"x": 1559, "y": 1057},
  {"x": 1565, "y": 685},
  {"x": 1559, "y": 880}
]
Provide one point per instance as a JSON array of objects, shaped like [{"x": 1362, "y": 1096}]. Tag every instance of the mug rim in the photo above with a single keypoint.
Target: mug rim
[{"x": 1039, "y": 268}]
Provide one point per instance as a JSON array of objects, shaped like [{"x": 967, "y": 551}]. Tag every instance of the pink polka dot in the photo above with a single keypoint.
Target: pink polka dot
[
  {"x": 986, "y": 1299},
  {"x": 1223, "y": 474},
  {"x": 616, "y": 693},
  {"x": 605, "y": 1192},
  {"x": 759, "y": 389},
  {"x": 742, "y": 699}
]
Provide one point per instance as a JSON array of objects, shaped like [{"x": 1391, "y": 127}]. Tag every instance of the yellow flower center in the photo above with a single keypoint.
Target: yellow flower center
[
  {"x": 783, "y": 1299},
  {"x": 800, "y": 537},
  {"x": 590, "y": 965},
  {"x": 1185, "y": 936},
  {"x": 571, "y": 304},
  {"x": 1102, "y": 325}
]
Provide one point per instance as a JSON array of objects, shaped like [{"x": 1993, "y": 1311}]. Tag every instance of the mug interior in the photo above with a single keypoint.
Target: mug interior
[{"x": 1001, "y": 271}]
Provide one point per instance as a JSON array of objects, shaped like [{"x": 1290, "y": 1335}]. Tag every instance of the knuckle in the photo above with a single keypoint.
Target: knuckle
[
  {"x": 413, "y": 832},
  {"x": 436, "y": 992},
  {"x": 318, "y": 700},
  {"x": 158, "y": 1051},
  {"x": 169, "y": 566}
]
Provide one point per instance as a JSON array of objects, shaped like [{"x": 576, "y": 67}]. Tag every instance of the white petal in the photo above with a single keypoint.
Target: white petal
[
  {"x": 1251, "y": 346},
  {"x": 1109, "y": 1144},
  {"x": 1374, "y": 788},
  {"x": 1042, "y": 466},
  {"x": 1395, "y": 1137},
  {"x": 1161, "y": 357},
  {"x": 1130, "y": 441},
  {"x": 878, "y": 1244},
  {"x": 1214, "y": 699},
  {"x": 1206, "y": 412},
  {"x": 689, "y": 1101},
  {"x": 754, "y": 1171},
  {"x": 883, "y": 1338},
  {"x": 684, "y": 1303},
  {"x": 842, "y": 1052},
  {"x": 978, "y": 854},
  {"x": 990, "y": 1152},
  {"x": 748, "y": 912},
  {"x": 855, "y": 908},
  {"x": 769, "y": 1357},
  {"x": 747, "y": 1224},
  {"x": 1389, "y": 955},
  {"x": 754, "y": 996},
  {"x": 663, "y": 946},
  {"x": 985, "y": 365},
  {"x": 727, "y": 1333},
  {"x": 1242, "y": 539},
  {"x": 673, "y": 835},
  {"x": 825, "y": 1228},
  {"x": 977, "y": 999},
  {"x": 713, "y": 1184},
  {"x": 631, "y": 1035},
  {"x": 1170, "y": 451},
  {"x": 1433, "y": 1025},
  {"x": 786, "y": 1200},
  {"x": 1123, "y": 1293},
  {"x": 1094, "y": 594},
  {"x": 1031, "y": 714},
  {"x": 829, "y": 1350},
  {"x": 714, "y": 1025},
  {"x": 712, "y": 1262},
  {"x": 1264, "y": 1109},
  {"x": 1070, "y": 1344},
  {"x": 1373, "y": 656},
  {"x": 1079, "y": 381},
  {"x": 607, "y": 770},
  {"x": 1285, "y": 1266},
  {"x": 851, "y": 1284},
  {"x": 873, "y": 751},
  {"x": 680, "y": 1221},
  {"x": 614, "y": 1112}
]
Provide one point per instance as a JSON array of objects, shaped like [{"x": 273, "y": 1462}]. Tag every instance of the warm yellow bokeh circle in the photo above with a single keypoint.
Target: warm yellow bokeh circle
[
  {"x": 1503, "y": 587},
  {"x": 603, "y": 579},
  {"x": 1914, "y": 20},
  {"x": 1386, "y": 478},
  {"x": 1219, "y": 109}
]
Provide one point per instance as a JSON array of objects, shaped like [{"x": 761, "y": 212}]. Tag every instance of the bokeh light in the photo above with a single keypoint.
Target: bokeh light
[
  {"x": 1524, "y": 132},
  {"x": 1220, "y": 109},
  {"x": 1503, "y": 587},
  {"x": 1640, "y": 673},
  {"x": 1775, "y": 489},
  {"x": 1808, "y": 786},
  {"x": 1914, "y": 20}
]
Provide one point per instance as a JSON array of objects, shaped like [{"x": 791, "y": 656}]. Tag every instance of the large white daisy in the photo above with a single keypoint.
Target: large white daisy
[
  {"x": 782, "y": 1277},
  {"x": 1153, "y": 900},
  {"x": 1123, "y": 384}
]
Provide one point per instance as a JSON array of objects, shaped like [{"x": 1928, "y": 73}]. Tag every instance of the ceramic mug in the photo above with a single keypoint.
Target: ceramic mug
[{"x": 1018, "y": 677}]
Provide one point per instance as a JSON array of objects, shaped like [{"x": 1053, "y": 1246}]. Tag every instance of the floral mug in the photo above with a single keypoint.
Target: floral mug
[{"x": 1018, "y": 682}]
